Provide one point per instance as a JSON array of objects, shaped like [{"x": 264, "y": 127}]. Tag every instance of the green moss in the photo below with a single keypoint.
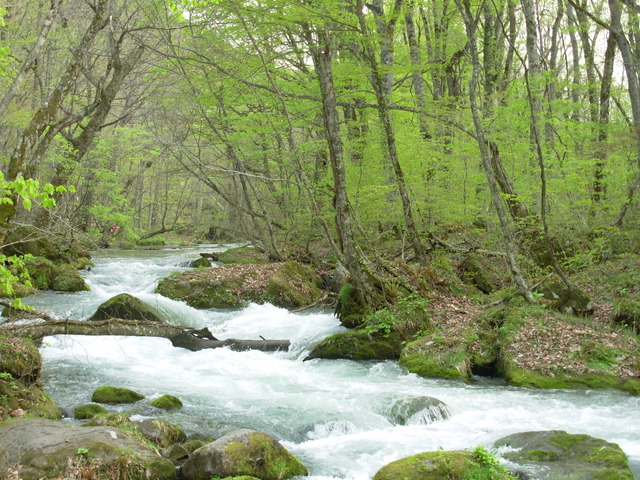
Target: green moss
[
  {"x": 358, "y": 345},
  {"x": 87, "y": 411},
  {"x": 108, "y": 394},
  {"x": 566, "y": 455},
  {"x": 25, "y": 399},
  {"x": 538, "y": 455},
  {"x": 167, "y": 402},
  {"x": 200, "y": 263},
  {"x": 350, "y": 310}
]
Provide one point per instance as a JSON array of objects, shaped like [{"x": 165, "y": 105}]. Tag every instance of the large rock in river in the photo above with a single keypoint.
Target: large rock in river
[
  {"x": 47, "y": 449},
  {"x": 451, "y": 465},
  {"x": 287, "y": 284},
  {"x": 243, "y": 452},
  {"x": 125, "y": 306},
  {"x": 560, "y": 455}
]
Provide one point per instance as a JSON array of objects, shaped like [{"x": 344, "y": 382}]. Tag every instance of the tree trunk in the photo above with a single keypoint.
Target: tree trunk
[
  {"x": 633, "y": 81},
  {"x": 41, "y": 130},
  {"x": 379, "y": 82},
  {"x": 416, "y": 65},
  {"x": 510, "y": 249},
  {"x": 190, "y": 339},
  {"x": 322, "y": 56}
]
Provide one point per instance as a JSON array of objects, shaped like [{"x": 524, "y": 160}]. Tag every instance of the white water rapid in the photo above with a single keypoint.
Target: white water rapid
[{"x": 333, "y": 415}]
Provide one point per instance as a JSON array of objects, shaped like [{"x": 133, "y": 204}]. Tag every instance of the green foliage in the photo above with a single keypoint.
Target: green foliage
[
  {"x": 487, "y": 467},
  {"x": 82, "y": 451}
]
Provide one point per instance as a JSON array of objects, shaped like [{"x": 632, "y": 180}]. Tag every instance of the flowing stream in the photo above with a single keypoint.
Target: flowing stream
[{"x": 334, "y": 415}]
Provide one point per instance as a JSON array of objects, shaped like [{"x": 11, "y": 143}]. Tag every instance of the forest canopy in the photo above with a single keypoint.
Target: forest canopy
[{"x": 513, "y": 125}]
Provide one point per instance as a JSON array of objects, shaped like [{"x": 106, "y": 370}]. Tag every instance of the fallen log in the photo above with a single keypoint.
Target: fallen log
[{"x": 181, "y": 337}]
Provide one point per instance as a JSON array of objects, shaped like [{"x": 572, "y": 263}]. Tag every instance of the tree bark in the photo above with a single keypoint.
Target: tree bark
[
  {"x": 42, "y": 128},
  {"x": 633, "y": 81}
]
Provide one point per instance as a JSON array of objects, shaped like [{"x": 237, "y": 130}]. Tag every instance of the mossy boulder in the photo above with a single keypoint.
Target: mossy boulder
[
  {"x": 61, "y": 277},
  {"x": 167, "y": 402},
  {"x": 160, "y": 432},
  {"x": 243, "y": 453},
  {"x": 156, "y": 431},
  {"x": 48, "y": 449},
  {"x": 113, "y": 395},
  {"x": 437, "y": 358},
  {"x": 176, "y": 453},
  {"x": 242, "y": 255},
  {"x": 357, "y": 345},
  {"x": 68, "y": 279},
  {"x": 284, "y": 284},
  {"x": 294, "y": 285},
  {"x": 126, "y": 307},
  {"x": 89, "y": 410},
  {"x": 20, "y": 359},
  {"x": 452, "y": 465},
  {"x": 26, "y": 240},
  {"x": 566, "y": 456}
]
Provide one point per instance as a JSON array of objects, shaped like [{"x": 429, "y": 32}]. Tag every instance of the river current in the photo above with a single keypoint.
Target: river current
[{"x": 334, "y": 415}]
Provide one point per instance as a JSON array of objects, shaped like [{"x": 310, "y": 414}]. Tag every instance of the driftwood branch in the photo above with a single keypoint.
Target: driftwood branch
[{"x": 190, "y": 339}]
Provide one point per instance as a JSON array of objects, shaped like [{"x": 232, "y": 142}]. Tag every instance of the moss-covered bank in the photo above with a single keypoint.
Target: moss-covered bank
[{"x": 287, "y": 284}]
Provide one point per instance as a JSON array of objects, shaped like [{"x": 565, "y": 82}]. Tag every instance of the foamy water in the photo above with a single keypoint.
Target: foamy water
[{"x": 336, "y": 416}]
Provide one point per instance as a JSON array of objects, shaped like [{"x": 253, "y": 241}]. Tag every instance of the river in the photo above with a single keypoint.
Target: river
[{"x": 334, "y": 415}]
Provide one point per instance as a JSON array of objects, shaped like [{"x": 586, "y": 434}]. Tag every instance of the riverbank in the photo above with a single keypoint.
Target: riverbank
[{"x": 314, "y": 407}]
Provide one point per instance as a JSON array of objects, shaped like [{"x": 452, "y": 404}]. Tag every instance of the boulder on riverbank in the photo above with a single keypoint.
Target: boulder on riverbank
[
  {"x": 565, "y": 456},
  {"x": 243, "y": 453},
  {"x": 452, "y": 465},
  {"x": 124, "y": 306},
  {"x": 61, "y": 277},
  {"x": 49, "y": 449},
  {"x": 287, "y": 284},
  {"x": 157, "y": 431}
]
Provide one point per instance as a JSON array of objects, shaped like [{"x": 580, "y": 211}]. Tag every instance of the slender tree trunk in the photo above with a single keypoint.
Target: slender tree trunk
[
  {"x": 633, "y": 81},
  {"x": 599, "y": 188},
  {"x": 510, "y": 249},
  {"x": 416, "y": 65},
  {"x": 379, "y": 83},
  {"x": 322, "y": 57}
]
